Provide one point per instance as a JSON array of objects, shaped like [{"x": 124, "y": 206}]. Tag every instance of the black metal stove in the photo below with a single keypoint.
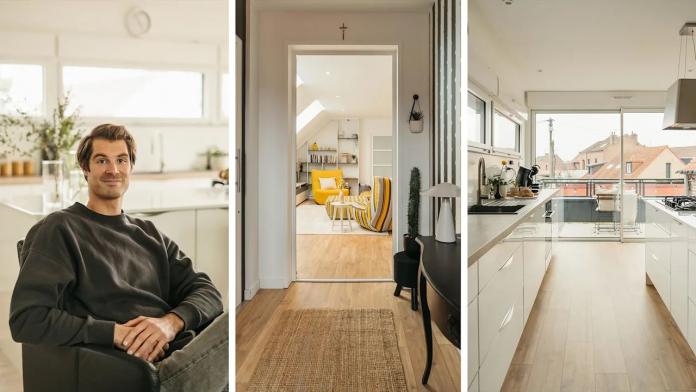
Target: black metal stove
[{"x": 681, "y": 203}]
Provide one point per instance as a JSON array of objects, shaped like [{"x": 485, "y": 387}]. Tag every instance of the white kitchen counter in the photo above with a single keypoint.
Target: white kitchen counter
[
  {"x": 689, "y": 218},
  {"x": 485, "y": 230},
  {"x": 141, "y": 197}
]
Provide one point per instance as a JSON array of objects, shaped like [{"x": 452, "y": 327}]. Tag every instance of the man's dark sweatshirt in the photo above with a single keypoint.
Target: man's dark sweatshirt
[{"x": 83, "y": 272}]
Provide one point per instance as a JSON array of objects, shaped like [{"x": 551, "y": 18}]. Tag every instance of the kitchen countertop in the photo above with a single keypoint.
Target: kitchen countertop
[
  {"x": 142, "y": 197},
  {"x": 484, "y": 231},
  {"x": 687, "y": 218},
  {"x": 29, "y": 180}
]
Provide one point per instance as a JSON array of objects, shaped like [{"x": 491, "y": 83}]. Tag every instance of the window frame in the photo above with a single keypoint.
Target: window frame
[
  {"x": 485, "y": 119},
  {"x": 491, "y": 103},
  {"x": 46, "y": 108},
  {"x": 210, "y": 75},
  {"x": 518, "y": 132},
  {"x": 629, "y": 167}
]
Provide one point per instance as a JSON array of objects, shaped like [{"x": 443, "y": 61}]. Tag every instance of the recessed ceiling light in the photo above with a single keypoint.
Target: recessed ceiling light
[
  {"x": 540, "y": 70},
  {"x": 508, "y": 2},
  {"x": 338, "y": 96},
  {"x": 328, "y": 73}
]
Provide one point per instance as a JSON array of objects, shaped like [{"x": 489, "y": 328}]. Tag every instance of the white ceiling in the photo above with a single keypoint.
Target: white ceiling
[
  {"x": 591, "y": 44},
  {"x": 344, "y": 5},
  {"x": 362, "y": 84}
]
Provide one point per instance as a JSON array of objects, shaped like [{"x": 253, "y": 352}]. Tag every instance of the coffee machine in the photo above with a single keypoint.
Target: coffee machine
[{"x": 525, "y": 176}]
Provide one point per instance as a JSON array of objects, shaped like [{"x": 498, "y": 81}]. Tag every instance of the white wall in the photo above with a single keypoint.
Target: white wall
[
  {"x": 270, "y": 147},
  {"x": 489, "y": 64},
  {"x": 371, "y": 127},
  {"x": 188, "y": 35}
]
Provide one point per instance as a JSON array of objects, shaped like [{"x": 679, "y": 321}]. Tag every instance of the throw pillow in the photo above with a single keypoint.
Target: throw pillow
[{"x": 327, "y": 183}]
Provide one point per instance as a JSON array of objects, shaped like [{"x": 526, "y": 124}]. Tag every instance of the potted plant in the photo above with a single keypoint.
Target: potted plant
[
  {"x": 410, "y": 245},
  {"x": 415, "y": 122},
  {"x": 498, "y": 185},
  {"x": 16, "y": 144},
  {"x": 53, "y": 138}
]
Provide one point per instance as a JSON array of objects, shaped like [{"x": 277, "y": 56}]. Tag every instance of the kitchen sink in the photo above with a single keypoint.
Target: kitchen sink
[{"x": 495, "y": 209}]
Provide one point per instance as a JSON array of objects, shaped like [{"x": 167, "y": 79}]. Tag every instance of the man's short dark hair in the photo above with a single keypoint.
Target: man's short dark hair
[{"x": 108, "y": 132}]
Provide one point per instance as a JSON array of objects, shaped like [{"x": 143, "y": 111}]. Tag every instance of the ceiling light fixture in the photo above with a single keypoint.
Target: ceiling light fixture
[
  {"x": 328, "y": 73},
  {"x": 508, "y": 2},
  {"x": 680, "y": 108}
]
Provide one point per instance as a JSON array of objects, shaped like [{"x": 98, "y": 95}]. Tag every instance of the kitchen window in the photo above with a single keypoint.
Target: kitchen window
[
  {"x": 134, "y": 93},
  {"x": 21, "y": 88},
  {"x": 506, "y": 133},
  {"x": 476, "y": 115}
]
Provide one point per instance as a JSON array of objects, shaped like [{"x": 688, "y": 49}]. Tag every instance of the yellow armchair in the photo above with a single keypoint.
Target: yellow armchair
[{"x": 320, "y": 195}]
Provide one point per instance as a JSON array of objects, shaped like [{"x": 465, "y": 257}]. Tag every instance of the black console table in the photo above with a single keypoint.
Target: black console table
[{"x": 439, "y": 285}]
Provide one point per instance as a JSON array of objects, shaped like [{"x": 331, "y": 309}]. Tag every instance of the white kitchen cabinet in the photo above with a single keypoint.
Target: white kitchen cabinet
[
  {"x": 679, "y": 273},
  {"x": 501, "y": 319},
  {"x": 534, "y": 257},
  {"x": 212, "y": 242},
  {"x": 179, "y": 226},
  {"x": 657, "y": 250},
  {"x": 474, "y": 386},
  {"x": 473, "y": 338},
  {"x": 691, "y": 334},
  {"x": 691, "y": 267},
  {"x": 496, "y": 362}
]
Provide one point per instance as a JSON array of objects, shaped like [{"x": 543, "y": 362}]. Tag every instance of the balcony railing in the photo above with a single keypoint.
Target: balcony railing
[{"x": 585, "y": 187}]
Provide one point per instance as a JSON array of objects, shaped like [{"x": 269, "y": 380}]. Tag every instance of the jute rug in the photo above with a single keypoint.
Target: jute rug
[{"x": 331, "y": 350}]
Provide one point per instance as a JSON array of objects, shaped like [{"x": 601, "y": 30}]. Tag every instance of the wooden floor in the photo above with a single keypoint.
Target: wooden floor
[
  {"x": 344, "y": 256},
  {"x": 596, "y": 326},
  {"x": 256, "y": 318}
]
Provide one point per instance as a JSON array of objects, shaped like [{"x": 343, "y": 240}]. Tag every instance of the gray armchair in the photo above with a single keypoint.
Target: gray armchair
[{"x": 84, "y": 367}]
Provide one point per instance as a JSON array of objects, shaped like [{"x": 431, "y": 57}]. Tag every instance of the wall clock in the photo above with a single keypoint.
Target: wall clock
[{"x": 137, "y": 22}]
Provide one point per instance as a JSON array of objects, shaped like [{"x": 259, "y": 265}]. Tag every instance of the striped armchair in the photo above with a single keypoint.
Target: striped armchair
[{"x": 376, "y": 215}]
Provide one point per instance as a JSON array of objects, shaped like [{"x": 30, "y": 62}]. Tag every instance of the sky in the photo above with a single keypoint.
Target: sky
[{"x": 574, "y": 132}]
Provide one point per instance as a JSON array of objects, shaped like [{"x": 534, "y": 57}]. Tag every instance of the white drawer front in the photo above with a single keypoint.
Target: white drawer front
[
  {"x": 692, "y": 275},
  {"x": 500, "y": 302},
  {"x": 495, "y": 365},
  {"x": 472, "y": 279},
  {"x": 474, "y": 386},
  {"x": 691, "y": 334},
  {"x": 493, "y": 260},
  {"x": 472, "y": 334}
]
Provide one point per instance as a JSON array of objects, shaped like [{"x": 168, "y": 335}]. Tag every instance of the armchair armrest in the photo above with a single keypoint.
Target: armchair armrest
[{"x": 85, "y": 368}]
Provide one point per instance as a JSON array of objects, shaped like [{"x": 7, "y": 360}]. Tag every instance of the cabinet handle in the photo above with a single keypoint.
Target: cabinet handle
[
  {"x": 507, "y": 263},
  {"x": 507, "y": 318}
]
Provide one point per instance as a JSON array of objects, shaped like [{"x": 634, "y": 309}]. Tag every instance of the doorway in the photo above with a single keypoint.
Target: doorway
[{"x": 344, "y": 159}]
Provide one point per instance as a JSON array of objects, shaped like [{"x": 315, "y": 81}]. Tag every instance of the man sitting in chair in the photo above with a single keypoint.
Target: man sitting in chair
[{"x": 95, "y": 275}]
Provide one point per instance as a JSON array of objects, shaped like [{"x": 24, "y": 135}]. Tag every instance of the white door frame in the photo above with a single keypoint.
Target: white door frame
[{"x": 364, "y": 50}]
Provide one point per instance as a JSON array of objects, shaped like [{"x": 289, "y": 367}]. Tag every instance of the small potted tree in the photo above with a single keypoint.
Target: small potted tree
[{"x": 410, "y": 245}]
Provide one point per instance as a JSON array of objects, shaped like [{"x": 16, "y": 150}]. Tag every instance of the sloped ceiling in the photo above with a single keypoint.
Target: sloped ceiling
[
  {"x": 591, "y": 44},
  {"x": 346, "y": 85}
]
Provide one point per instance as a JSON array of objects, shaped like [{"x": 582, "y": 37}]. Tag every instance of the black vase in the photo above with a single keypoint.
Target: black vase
[
  {"x": 497, "y": 192},
  {"x": 411, "y": 247}
]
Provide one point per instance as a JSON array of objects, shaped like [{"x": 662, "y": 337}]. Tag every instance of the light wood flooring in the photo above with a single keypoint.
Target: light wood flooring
[
  {"x": 255, "y": 320},
  {"x": 596, "y": 326},
  {"x": 344, "y": 256}
]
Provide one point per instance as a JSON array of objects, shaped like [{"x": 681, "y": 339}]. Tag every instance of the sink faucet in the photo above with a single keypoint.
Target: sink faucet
[{"x": 481, "y": 169}]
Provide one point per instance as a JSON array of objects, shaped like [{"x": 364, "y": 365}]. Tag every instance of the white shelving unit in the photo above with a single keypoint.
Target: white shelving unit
[
  {"x": 345, "y": 143},
  {"x": 381, "y": 156}
]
